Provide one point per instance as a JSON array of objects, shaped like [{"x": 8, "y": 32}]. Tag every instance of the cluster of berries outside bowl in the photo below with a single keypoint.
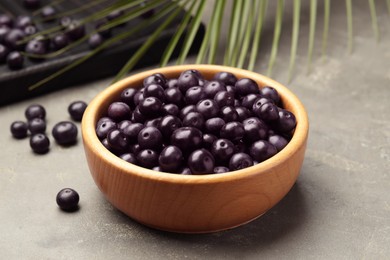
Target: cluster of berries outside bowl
[{"x": 193, "y": 203}]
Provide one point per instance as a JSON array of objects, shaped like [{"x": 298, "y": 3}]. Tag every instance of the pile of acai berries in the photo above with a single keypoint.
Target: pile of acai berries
[{"x": 190, "y": 125}]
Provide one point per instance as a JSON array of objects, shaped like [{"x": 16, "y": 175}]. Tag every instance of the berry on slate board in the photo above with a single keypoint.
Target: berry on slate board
[
  {"x": 192, "y": 126},
  {"x": 68, "y": 199},
  {"x": 65, "y": 133}
]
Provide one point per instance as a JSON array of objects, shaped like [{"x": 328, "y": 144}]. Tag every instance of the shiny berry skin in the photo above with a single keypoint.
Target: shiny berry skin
[
  {"x": 117, "y": 140},
  {"x": 137, "y": 116},
  {"x": 213, "y": 125},
  {"x": 229, "y": 114},
  {"x": 213, "y": 87},
  {"x": 187, "y": 139},
  {"x": 286, "y": 122},
  {"x": 35, "y": 111},
  {"x": 60, "y": 41},
  {"x": 155, "y": 90},
  {"x": 127, "y": 96},
  {"x": 75, "y": 30},
  {"x": 122, "y": 125},
  {"x": 154, "y": 79},
  {"x": 170, "y": 159},
  {"x": 150, "y": 107},
  {"x": 226, "y": 77},
  {"x": 36, "y": 125},
  {"x": 222, "y": 150},
  {"x": 131, "y": 131},
  {"x": 48, "y": 12},
  {"x": 171, "y": 109},
  {"x": 186, "y": 81},
  {"x": 278, "y": 141},
  {"x": 256, "y": 108},
  {"x": 201, "y": 161},
  {"x": 194, "y": 95},
  {"x": 65, "y": 133},
  {"x": 76, "y": 110},
  {"x": 39, "y": 143},
  {"x": 103, "y": 128},
  {"x": 246, "y": 86},
  {"x": 196, "y": 73},
  {"x": 12, "y": 38},
  {"x": 95, "y": 40},
  {"x": 255, "y": 129},
  {"x": 187, "y": 109},
  {"x": 194, "y": 119},
  {"x": 171, "y": 83},
  {"x": 31, "y": 4},
  {"x": 268, "y": 112},
  {"x": 119, "y": 111},
  {"x": 36, "y": 47},
  {"x": 65, "y": 21},
  {"x": 249, "y": 100},
  {"x": 174, "y": 96},
  {"x": 103, "y": 119},
  {"x": 243, "y": 113},
  {"x": 220, "y": 169},
  {"x": 233, "y": 131},
  {"x": 129, "y": 157},
  {"x": 6, "y": 20},
  {"x": 22, "y": 21},
  {"x": 168, "y": 124},
  {"x": 240, "y": 161},
  {"x": 147, "y": 158},
  {"x": 271, "y": 93},
  {"x": 208, "y": 140},
  {"x": 262, "y": 150},
  {"x": 150, "y": 138},
  {"x": 3, "y": 53},
  {"x": 208, "y": 108},
  {"x": 19, "y": 129},
  {"x": 153, "y": 122},
  {"x": 224, "y": 98},
  {"x": 15, "y": 60},
  {"x": 185, "y": 171},
  {"x": 30, "y": 30},
  {"x": 68, "y": 199}
]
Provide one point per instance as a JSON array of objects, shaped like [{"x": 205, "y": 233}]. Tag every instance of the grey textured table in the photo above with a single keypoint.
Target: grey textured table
[{"x": 338, "y": 209}]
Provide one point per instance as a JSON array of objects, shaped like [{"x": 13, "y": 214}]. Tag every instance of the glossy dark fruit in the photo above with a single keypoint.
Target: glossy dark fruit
[
  {"x": 231, "y": 89},
  {"x": 211, "y": 88},
  {"x": 174, "y": 96},
  {"x": 30, "y": 30},
  {"x": 168, "y": 125},
  {"x": 278, "y": 141},
  {"x": 220, "y": 169},
  {"x": 129, "y": 157},
  {"x": 95, "y": 40},
  {"x": 246, "y": 86},
  {"x": 208, "y": 108},
  {"x": 19, "y": 129},
  {"x": 268, "y": 112},
  {"x": 150, "y": 138},
  {"x": 134, "y": 148},
  {"x": 39, "y": 143},
  {"x": 170, "y": 159},
  {"x": 155, "y": 122},
  {"x": 12, "y": 38},
  {"x": 262, "y": 150},
  {"x": 36, "y": 125},
  {"x": 194, "y": 95},
  {"x": 187, "y": 139},
  {"x": 255, "y": 129},
  {"x": 31, "y": 4},
  {"x": 201, "y": 161},
  {"x": 256, "y": 108},
  {"x": 122, "y": 125},
  {"x": 213, "y": 125},
  {"x": 76, "y": 110},
  {"x": 240, "y": 147},
  {"x": 22, "y": 21},
  {"x": 226, "y": 77},
  {"x": 103, "y": 128},
  {"x": 4, "y": 30},
  {"x": 243, "y": 113},
  {"x": 171, "y": 83},
  {"x": 249, "y": 100},
  {"x": 208, "y": 140},
  {"x": 4, "y": 51},
  {"x": 194, "y": 119},
  {"x": 139, "y": 96},
  {"x": 147, "y": 158},
  {"x": 103, "y": 119},
  {"x": 6, "y": 20},
  {"x": 155, "y": 90},
  {"x": 119, "y": 111},
  {"x": 186, "y": 81},
  {"x": 171, "y": 109},
  {"x": 233, "y": 131},
  {"x": 185, "y": 171},
  {"x": 15, "y": 60},
  {"x": 286, "y": 122},
  {"x": 117, "y": 140},
  {"x": 75, "y": 30},
  {"x": 132, "y": 130},
  {"x": 240, "y": 161},
  {"x": 271, "y": 93},
  {"x": 224, "y": 98},
  {"x": 187, "y": 109},
  {"x": 222, "y": 150},
  {"x": 65, "y": 133},
  {"x": 35, "y": 111},
  {"x": 137, "y": 116},
  {"x": 150, "y": 106},
  {"x": 60, "y": 41},
  {"x": 196, "y": 73},
  {"x": 228, "y": 114},
  {"x": 36, "y": 47},
  {"x": 127, "y": 96},
  {"x": 68, "y": 199},
  {"x": 65, "y": 21},
  {"x": 48, "y": 13},
  {"x": 154, "y": 79}
]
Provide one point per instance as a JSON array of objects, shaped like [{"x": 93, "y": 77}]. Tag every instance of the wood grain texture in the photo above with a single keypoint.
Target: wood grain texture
[{"x": 189, "y": 203}]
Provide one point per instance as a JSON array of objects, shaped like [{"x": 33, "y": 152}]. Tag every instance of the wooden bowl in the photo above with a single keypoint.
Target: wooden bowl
[{"x": 193, "y": 203}]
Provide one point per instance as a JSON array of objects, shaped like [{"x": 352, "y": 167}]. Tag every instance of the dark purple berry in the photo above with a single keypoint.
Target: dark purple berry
[
  {"x": 255, "y": 129},
  {"x": 196, "y": 73},
  {"x": 68, "y": 199},
  {"x": 187, "y": 81},
  {"x": 129, "y": 157},
  {"x": 76, "y": 110},
  {"x": 65, "y": 133},
  {"x": 240, "y": 161},
  {"x": 12, "y": 39},
  {"x": 39, "y": 143},
  {"x": 19, "y": 129},
  {"x": 246, "y": 86},
  {"x": 37, "y": 125},
  {"x": 104, "y": 127},
  {"x": 257, "y": 105},
  {"x": 75, "y": 30},
  {"x": 102, "y": 120},
  {"x": 221, "y": 169},
  {"x": 171, "y": 159},
  {"x": 15, "y": 60},
  {"x": 137, "y": 116},
  {"x": 208, "y": 108},
  {"x": 6, "y": 20},
  {"x": 147, "y": 158},
  {"x": 168, "y": 124},
  {"x": 131, "y": 131},
  {"x": 65, "y": 21},
  {"x": 155, "y": 122},
  {"x": 187, "y": 109},
  {"x": 154, "y": 79},
  {"x": 194, "y": 95},
  {"x": 185, "y": 171},
  {"x": 213, "y": 125},
  {"x": 171, "y": 109},
  {"x": 213, "y": 87},
  {"x": 174, "y": 96},
  {"x": 30, "y": 30},
  {"x": 48, "y": 13},
  {"x": 262, "y": 150},
  {"x": 117, "y": 140},
  {"x": 150, "y": 106},
  {"x": 271, "y": 93},
  {"x": 155, "y": 90},
  {"x": 278, "y": 141},
  {"x": 150, "y": 138},
  {"x": 194, "y": 119},
  {"x": 224, "y": 98},
  {"x": 119, "y": 111},
  {"x": 243, "y": 113},
  {"x": 36, "y": 47},
  {"x": 201, "y": 162},
  {"x": 268, "y": 112},
  {"x": 249, "y": 100},
  {"x": 23, "y": 21},
  {"x": 229, "y": 114},
  {"x": 226, "y": 77},
  {"x": 4, "y": 51},
  {"x": 122, "y": 125},
  {"x": 95, "y": 40},
  {"x": 187, "y": 139},
  {"x": 208, "y": 140},
  {"x": 171, "y": 83},
  {"x": 233, "y": 131},
  {"x": 4, "y": 30},
  {"x": 286, "y": 122},
  {"x": 222, "y": 150},
  {"x": 60, "y": 41},
  {"x": 127, "y": 96}
]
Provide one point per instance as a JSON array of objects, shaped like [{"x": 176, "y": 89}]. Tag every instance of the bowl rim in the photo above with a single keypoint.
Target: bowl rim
[{"x": 91, "y": 140}]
